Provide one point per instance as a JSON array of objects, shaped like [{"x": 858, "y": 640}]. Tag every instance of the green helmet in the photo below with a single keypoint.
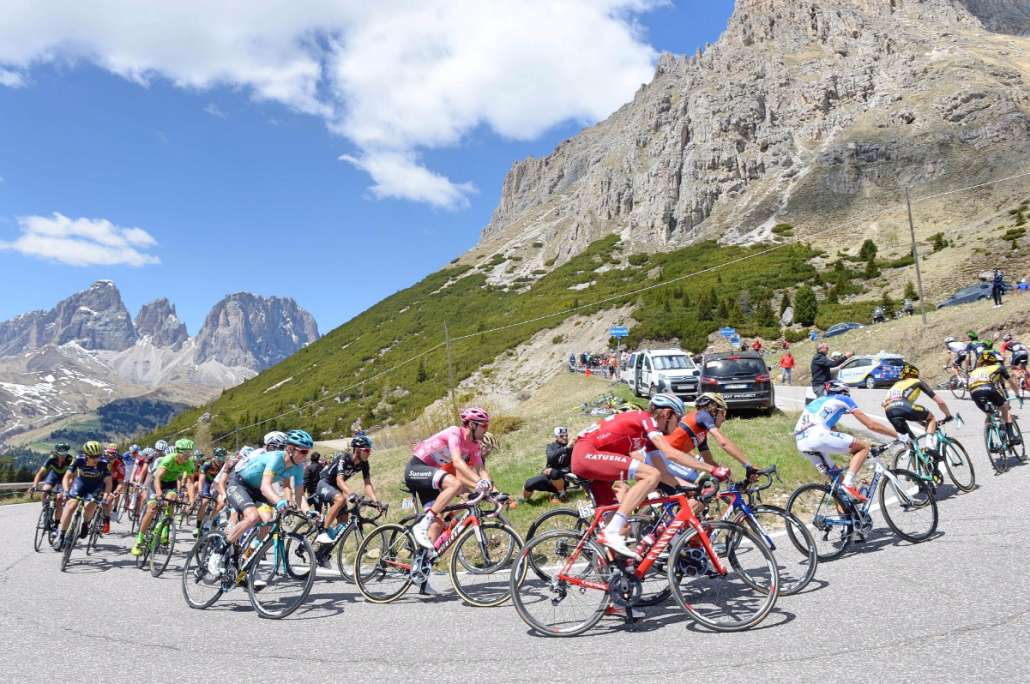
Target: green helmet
[
  {"x": 92, "y": 448},
  {"x": 220, "y": 453},
  {"x": 184, "y": 445}
]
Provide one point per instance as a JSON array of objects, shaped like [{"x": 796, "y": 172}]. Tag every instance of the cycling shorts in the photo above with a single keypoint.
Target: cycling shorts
[
  {"x": 601, "y": 468},
  {"x": 242, "y": 496},
  {"x": 86, "y": 489},
  {"x": 165, "y": 488},
  {"x": 423, "y": 480},
  {"x": 205, "y": 488},
  {"x": 325, "y": 493},
  {"x": 987, "y": 396},
  {"x": 1020, "y": 360},
  {"x": 900, "y": 412},
  {"x": 817, "y": 441},
  {"x": 53, "y": 478}
]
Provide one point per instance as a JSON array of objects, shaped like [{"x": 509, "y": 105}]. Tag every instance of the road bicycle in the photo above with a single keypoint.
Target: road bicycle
[
  {"x": 905, "y": 500},
  {"x": 389, "y": 560},
  {"x": 925, "y": 454},
  {"x": 729, "y": 586},
  {"x": 159, "y": 541},
  {"x": 276, "y": 565},
  {"x": 958, "y": 384},
  {"x": 996, "y": 439},
  {"x": 75, "y": 528},
  {"x": 361, "y": 514},
  {"x": 566, "y": 518},
  {"x": 47, "y": 526},
  {"x": 786, "y": 536}
]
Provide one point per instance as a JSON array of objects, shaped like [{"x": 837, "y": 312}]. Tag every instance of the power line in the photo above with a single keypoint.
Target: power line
[{"x": 971, "y": 187}]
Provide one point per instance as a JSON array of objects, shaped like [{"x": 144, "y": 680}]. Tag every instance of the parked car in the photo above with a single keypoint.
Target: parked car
[
  {"x": 742, "y": 378},
  {"x": 972, "y": 293},
  {"x": 650, "y": 371},
  {"x": 871, "y": 370},
  {"x": 841, "y": 328}
]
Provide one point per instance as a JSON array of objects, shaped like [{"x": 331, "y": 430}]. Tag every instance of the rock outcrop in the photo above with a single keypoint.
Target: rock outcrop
[{"x": 158, "y": 321}]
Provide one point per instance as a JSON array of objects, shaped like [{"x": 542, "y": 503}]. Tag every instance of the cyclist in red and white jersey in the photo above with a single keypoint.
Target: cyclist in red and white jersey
[
  {"x": 443, "y": 466},
  {"x": 604, "y": 453}
]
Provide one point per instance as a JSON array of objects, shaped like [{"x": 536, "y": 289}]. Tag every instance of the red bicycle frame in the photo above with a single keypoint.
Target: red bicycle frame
[{"x": 684, "y": 517}]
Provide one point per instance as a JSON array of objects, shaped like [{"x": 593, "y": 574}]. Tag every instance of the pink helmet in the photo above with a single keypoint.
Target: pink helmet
[{"x": 474, "y": 414}]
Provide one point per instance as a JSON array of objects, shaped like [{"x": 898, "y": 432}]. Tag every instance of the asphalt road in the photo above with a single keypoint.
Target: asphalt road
[{"x": 954, "y": 608}]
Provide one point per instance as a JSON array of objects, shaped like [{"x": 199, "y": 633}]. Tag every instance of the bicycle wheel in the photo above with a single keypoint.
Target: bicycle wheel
[
  {"x": 958, "y": 387},
  {"x": 1017, "y": 450},
  {"x": 383, "y": 563},
  {"x": 791, "y": 543},
  {"x": 556, "y": 519},
  {"x": 201, "y": 587},
  {"x": 95, "y": 528},
  {"x": 71, "y": 537},
  {"x": 347, "y": 551},
  {"x": 43, "y": 525},
  {"x": 482, "y": 562},
  {"x": 908, "y": 506},
  {"x": 161, "y": 550},
  {"x": 909, "y": 460},
  {"x": 279, "y": 581},
  {"x": 958, "y": 465},
  {"x": 560, "y": 604},
  {"x": 735, "y": 600},
  {"x": 827, "y": 517},
  {"x": 995, "y": 444}
]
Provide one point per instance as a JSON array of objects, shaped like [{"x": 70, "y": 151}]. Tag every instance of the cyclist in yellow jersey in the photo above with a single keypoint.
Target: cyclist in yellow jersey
[
  {"x": 901, "y": 407},
  {"x": 987, "y": 388}
]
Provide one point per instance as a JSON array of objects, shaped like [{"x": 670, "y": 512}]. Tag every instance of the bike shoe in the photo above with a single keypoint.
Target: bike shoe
[
  {"x": 853, "y": 492},
  {"x": 136, "y": 550},
  {"x": 617, "y": 543}
]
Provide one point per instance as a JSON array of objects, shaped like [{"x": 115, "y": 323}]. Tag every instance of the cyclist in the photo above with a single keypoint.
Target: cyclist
[
  {"x": 443, "y": 466},
  {"x": 254, "y": 483},
  {"x": 816, "y": 438},
  {"x": 900, "y": 406},
  {"x": 86, "y": 478},
  {"x": 987, "y": 388},
  {"x": 163, "y": 483},
  {"x": 974, "y": 347},
  {"x": 603, "y": 454},
  {"x": 129, "y": 459},
  {"x": 207, "y": 472},
  {"x": 52, "y": 474},
  {"x": 332, "y": 489},
  {"x": 117, "y": 468},
  {"x": 957, "y": 355},
  {"x": 273, "y": 441},
  {"x": 693, "y": 430},
  {"x": 1019, "y": 355}
]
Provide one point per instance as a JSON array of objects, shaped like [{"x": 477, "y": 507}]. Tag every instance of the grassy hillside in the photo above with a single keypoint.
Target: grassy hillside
[{"x": 333, "y": 380}]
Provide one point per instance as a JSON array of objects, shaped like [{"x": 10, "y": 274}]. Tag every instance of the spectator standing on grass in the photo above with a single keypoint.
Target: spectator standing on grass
[
  {"x": 572, "y": 362},
  {"x": 785, "y": 345},
  {"x": 821, "y": 366},
  {"x": 997, "y": 287},
  {"x": 786, "y": 367}
]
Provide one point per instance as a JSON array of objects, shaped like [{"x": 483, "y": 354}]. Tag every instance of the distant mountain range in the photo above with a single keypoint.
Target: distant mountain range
[{"x": 88, "y": 351}]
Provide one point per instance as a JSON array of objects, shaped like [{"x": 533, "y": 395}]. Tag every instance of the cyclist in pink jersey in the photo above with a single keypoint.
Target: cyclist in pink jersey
[{"x": 445, "y": 465}]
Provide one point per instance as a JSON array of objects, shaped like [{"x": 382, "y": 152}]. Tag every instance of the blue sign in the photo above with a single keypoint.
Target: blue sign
[
  {"x": 734, "y": 340},
  {"x": 813, "y": 336},
  {"x": 619, "y": 331},
  {"x": 727, "y": 332}
]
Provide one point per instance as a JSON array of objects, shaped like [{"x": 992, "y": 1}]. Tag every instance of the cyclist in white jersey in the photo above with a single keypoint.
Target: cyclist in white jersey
[
  {"x": 816, "y": 437},
  {"x": 273, "y": 441}
]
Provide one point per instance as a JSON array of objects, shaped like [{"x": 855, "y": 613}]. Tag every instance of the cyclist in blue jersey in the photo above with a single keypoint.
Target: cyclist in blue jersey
[
  {"x": 52, "y": 473},
  {"x": 817, "y": 439},
  {"x": 87, "y": 478},
  {"x": 253, "y": 484}
]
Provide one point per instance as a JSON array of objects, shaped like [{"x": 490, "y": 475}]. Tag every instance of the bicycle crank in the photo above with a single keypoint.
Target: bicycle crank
[
  {"x": 625, "y": 590},
  {"x": 421, "y": 567}
]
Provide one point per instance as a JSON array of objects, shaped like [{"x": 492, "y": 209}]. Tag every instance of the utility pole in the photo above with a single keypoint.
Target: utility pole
[
  {"x": 915, "y": 256},
  {"x": 450, "y": 369}
]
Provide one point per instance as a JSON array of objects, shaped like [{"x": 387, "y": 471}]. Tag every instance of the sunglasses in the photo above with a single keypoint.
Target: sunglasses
[{"x": 302, "y": 452}]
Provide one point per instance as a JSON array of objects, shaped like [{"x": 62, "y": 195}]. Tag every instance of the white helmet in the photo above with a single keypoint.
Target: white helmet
[
  {"x": 245, "y": 451},
  {"x": 275, "y": 439},
  {"x": 949, "y": 340},
  {"x": 161, "y": 445},
  {"x": 561, "y": 431}
]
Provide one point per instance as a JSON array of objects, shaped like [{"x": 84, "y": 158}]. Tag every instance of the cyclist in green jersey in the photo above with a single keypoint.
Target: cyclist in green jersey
[{"x": 163, "y": 484}]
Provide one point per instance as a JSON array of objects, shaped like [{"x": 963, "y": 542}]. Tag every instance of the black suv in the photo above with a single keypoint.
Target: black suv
[{"x": 742, "y": 378}]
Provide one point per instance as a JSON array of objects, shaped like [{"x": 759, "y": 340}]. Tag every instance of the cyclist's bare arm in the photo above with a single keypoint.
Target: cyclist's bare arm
[
  {"x": 728, "y": 446},
  {"x": 679, "y": 457},
  {"x": 942, "y": 405},
  {"x": 874, "y": 425},
  {"x": 370, "y": 491}
]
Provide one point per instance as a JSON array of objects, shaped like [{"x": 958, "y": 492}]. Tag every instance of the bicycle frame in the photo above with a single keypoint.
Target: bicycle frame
[{"x": 879, "y": 471}]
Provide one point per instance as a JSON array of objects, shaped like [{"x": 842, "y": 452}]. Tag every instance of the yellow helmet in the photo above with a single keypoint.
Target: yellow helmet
[
  {"x": 92, "y": 448},
  {"x": 711, "y": 399},
  {"x": 488, "y": 443},
  {"x": 909, "y": 371}
]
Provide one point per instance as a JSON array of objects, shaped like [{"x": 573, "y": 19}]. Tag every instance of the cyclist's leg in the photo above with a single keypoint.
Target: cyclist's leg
[
  {"x": 69, "y": 510},
  {"x": 331, "y": 496},
  {"x": 241, "y": 498}
]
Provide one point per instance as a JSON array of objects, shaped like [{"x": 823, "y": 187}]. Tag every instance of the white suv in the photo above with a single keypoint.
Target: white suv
[{"x": 650, "y": 371}]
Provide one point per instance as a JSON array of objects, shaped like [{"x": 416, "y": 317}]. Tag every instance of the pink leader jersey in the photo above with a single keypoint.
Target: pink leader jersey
[{"x": 436, "y": 450}]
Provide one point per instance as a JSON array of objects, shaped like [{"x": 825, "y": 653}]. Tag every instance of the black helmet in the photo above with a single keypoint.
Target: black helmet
[
  {"x": 62, "y": 448},
  {"x": 315, "y": 457},
  {"x": 361, "y": 442}
]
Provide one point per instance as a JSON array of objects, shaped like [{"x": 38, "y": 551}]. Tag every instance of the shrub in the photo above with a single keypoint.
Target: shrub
[
  {"x": 557, "y": 339},
  {"x": 806, "y": 308},
  {"x": 783, "y": 229},
  {"x": 938, "y": 242},
  {"x": 795, "y": 335},
  {"x": 638, "y": 259},
  {"x": 867, "y": 251},
  {"x": 538, "y": 244},
  {"x": 502, "y": 425}
]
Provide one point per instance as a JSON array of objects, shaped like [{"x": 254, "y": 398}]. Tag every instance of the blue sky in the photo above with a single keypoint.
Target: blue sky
[{"x": 246, "y": 193}]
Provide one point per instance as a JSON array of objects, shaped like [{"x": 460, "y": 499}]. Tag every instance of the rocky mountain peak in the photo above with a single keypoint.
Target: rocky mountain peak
[
  {"x": 158, "y": 321},
  {"x": 244, "y": 329}
]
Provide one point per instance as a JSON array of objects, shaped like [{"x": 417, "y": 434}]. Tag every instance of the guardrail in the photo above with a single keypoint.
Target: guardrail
[{"x": 14, "y": 486}]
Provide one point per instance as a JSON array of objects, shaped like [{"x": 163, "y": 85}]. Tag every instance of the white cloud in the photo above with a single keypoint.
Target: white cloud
[
  {"x": 82, "y": 241},
  {"x": 11, "y": 79},
  {"x": 394, "y": 77},
  {"x": 214, "y": 110}
]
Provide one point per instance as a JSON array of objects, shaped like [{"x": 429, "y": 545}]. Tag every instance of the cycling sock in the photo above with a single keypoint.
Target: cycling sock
[
  {"x": 616, "y": 524},
  {"x": 849, "y": 479}
]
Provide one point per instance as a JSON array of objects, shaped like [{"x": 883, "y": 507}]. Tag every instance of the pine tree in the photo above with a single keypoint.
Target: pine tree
[
  {"x": 723, "y": 312},
  {"x": 421, "y": 375},
  {"x": 806, "y": 308},
  {"x": 871, "y": 271},
  {"x": 888, "y": 304},
  {"x": 764, "y": 315},
  {"x": 867, "y": 251},
  {"x": 910, "y": 291},
  {"x": 784, "y": 303}
]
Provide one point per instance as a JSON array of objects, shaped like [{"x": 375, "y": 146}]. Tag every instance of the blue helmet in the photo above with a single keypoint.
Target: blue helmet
[
  {"x": 670, "y": 401},
  {"x": 299, "y": 438}
]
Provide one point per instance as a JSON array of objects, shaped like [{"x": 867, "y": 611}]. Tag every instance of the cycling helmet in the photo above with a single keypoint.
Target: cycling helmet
[
  {"x": 111, "y": 449},
  {"x": 988, "y": 357},
  {"x": 909, "y": 371},
  {"x": 988, "y": 345},
  {"x": 709, "y": 399},
  {"x": 669, "y": 401},
  {"x": 361, "y": 442},
  {"x": 487, "y": 444},
  {"x": 949, "y": 340},
  {"x": 1007, "y": 337},
  {"x": 836, "y": 387},
  {"x": 245, "y": 451},
  {"x": 134, "y": 448},
  {"x": 971, "y": 334},
  {"x": 92, "y": 448},
  {"x": 561, "y": 431},
  {"x": 197, "y": 453},
  {"x": 275, "y": 439},
  {"x": 220, "y": 453},
  {"x": 299, "y": 438},
  {"x": 184, "y": 445},
  {"x": 161, "y": 445},
  {"x": 62, "y": 448},
  {"x": 474, "y": 414},
  {"x": 147, "y": 452}
]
